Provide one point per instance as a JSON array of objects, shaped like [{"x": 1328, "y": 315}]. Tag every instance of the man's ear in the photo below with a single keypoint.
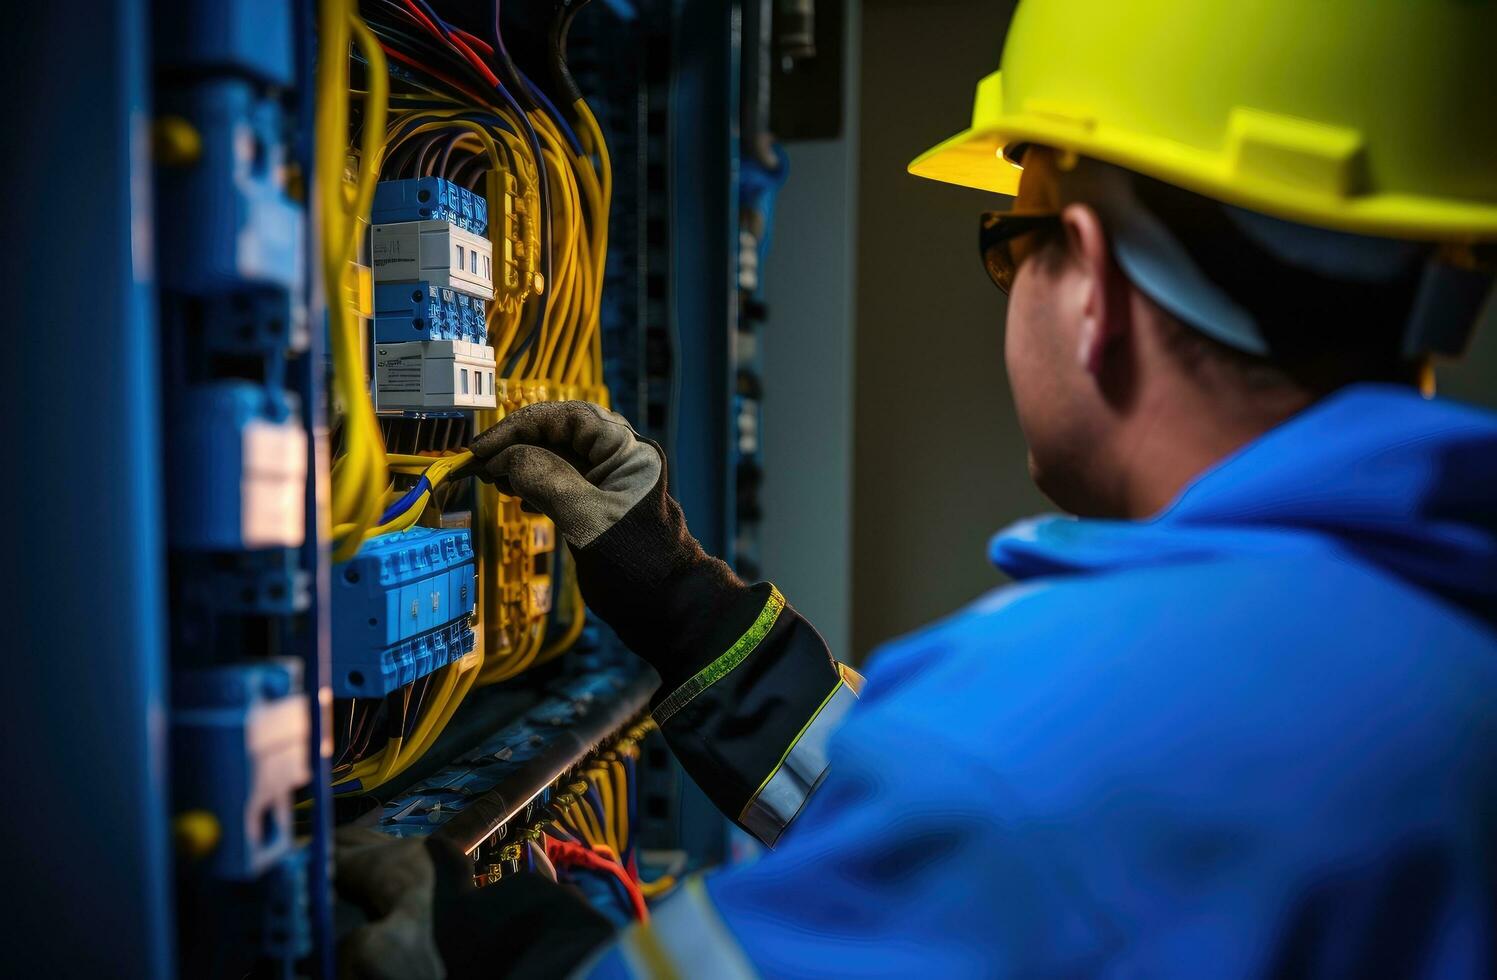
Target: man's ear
[{"x": 1104, "y": 312}]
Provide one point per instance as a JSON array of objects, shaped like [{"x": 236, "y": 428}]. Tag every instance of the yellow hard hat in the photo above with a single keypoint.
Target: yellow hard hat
[{"x": 1370, "y": 116}]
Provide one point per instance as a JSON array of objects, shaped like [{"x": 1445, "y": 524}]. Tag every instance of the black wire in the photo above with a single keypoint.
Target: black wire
[
  {"x": 460, "y": 174},
  {"x": 418, "y": 169},
  {"x": 509, "y": 72},
  {"x": 432, "y": 54},
  {"x": 561, "y": 26},
  {"x": 425, "y": 49},
  {"x": 527, "y": 342},
  {"x": 415, "y": 708},
  {"x": 444, "y": 162},
  {"x": 358, "y": 745}
]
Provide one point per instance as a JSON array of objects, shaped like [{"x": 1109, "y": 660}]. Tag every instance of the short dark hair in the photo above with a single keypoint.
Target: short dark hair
[{"x": 1322, "y": 332}]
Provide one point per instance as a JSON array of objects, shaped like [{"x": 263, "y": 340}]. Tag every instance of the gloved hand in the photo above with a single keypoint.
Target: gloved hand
[
  {"x": 429, "y": 922},
  {"x": 637, "y": 564},
  {"x": 394, "y": 882}
]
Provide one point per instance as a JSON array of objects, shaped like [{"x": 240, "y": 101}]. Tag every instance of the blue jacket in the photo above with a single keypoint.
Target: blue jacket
[{"x": 1254, "y": 735}]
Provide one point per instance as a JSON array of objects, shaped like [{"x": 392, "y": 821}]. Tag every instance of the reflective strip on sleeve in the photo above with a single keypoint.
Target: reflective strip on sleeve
[
  {"x": 685, "y": 938},
  {"x": 723, "y": 665},
  {"x": 800, "y": 770}
]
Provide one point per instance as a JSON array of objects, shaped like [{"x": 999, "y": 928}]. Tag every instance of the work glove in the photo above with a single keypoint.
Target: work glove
[
  {"x": 638, "y": 566},
  {"x": 394, "y": 883},
  {"x": 428, "y": 921}
]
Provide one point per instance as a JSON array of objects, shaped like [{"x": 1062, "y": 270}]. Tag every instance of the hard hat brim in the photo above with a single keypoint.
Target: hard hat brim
[{"x": 972, "y": 158}]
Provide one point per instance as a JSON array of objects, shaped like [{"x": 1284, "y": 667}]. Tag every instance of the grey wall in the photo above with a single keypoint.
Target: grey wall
[
  {"x": 938, "y": 460},
  {"x": 1474, "y": 377},
  {"x": 806, "y": 538}
]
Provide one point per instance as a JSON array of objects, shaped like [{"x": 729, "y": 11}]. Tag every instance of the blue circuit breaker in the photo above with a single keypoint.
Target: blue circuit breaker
[
  {"x": 402, "y": 608},
  {"x": 235, "y": 224},
  {"x": 420, "y": 311},
  {"x": 429, "y": 198},
  {"x": 250, "y": 38},
  {"x": 243, "y": 483},
  {"x": 239, "y": 752}
]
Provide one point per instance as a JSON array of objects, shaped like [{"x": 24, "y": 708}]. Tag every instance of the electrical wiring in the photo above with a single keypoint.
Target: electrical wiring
[
  {"x": 542, "y": 862},
  {"x": 577, "y": 610},
  {"x": 465, "y": 112},
  {"x": 563, "y": 853},
  {"x": 399, "y": 754},
  {"x": 360, "y": 475}
]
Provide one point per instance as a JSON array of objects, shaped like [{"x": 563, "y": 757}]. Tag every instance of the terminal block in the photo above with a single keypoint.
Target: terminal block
[
  {"x": 405, "y": 312},
  {"x": 436, "y": 252},
  {"x": 244, "y": 481},
  {"x": 433, "y": 376},
  {"x": 239, "y": 753},
  {"x": 401, "y": 609},
  {"x": 430, "y": 198}
]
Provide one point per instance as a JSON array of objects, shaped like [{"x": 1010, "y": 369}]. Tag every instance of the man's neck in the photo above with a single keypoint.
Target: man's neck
[{"x": 1169, "y": 446}]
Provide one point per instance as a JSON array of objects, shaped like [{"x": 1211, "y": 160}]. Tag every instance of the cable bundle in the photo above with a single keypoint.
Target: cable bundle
[
  {"x": 441, "y": 101},
  {"x": 593, "y": 816}
]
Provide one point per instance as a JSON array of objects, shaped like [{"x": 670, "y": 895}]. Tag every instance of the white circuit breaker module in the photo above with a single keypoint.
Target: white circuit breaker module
[
  {"x": 437, "y": 252},
  {"x": 433, "y": 375}
]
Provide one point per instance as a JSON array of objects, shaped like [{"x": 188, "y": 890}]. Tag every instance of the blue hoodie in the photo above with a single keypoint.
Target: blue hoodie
[{"x": 1254, "y": 735}]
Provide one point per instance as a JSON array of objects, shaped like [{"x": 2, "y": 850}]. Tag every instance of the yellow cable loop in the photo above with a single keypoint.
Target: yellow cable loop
[
  {"x": 418, "y": 737},
  {"x": 591, "y": 832},
  {"x": 621, "y": 780},
  {"x": 559, "y": 315},
  {"x": 593, "y": 142},
  {"x": 560, "y": 312},
  {"x": 360, "y": 476},
  {"x": 608, "y": 827},
  {"x": 574, "y": 629}
]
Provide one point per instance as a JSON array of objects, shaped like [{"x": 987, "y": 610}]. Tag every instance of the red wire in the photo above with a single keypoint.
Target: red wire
[
  {"x": 564, "y": 852},
  {"x": 474, "y": 40},
  {"x": 406, "y": 59},
  {"x": 474, "y": 60},
  {"x": 421, "y": 17},
  {"x": 455, "y": 43}
]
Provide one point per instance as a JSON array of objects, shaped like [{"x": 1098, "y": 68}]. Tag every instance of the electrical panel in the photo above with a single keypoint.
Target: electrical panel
[{"x": 354, "y": 236}]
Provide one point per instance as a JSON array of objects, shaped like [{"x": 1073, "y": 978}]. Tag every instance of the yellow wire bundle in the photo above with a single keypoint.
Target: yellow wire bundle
[
  {"x": 359, "y": 476},
  {"x": 566, "y": 349}
]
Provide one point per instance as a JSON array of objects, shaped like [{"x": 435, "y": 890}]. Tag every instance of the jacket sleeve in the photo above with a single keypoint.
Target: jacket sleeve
[{"x": 752, "y": 726}]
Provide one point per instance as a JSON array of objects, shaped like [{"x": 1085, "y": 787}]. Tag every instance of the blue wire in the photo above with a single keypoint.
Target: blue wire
[
  {"x": 544, "y": 218},
  {"x": 560, "y": 120},
  {"x": 633, "y": 807},
  {"x": 530, "y": 87},
  {"x": 597, "y": 805},
  {"x": 405, "y": 503},
  {"x": 619, "y": 891}
]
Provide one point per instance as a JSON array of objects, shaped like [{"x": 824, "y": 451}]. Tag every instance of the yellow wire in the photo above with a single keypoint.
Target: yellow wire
[
  {"x": 396, "y": 757},
  {"x": 605, "y": 795},
  {"x": 621, "y": 793},
  {"x": 592, "y": 136},
  {"x": 574, "y": 629},
  {"x": 589, "y": 826},
  {"x": 360, "y": 477}
]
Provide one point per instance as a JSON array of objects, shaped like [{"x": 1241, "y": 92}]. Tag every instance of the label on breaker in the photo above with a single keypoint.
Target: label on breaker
[
  {"x": 396, "y": 252},
  {"x": 272, "y": 508},
  {"x": 397, "y": 372}
]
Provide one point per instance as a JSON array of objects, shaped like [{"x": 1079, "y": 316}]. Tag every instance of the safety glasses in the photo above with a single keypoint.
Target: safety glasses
[{"x": 996, "y": 237}]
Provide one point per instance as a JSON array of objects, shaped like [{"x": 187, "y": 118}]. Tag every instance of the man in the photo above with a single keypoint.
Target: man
[{"x": 1238, "y": 720}]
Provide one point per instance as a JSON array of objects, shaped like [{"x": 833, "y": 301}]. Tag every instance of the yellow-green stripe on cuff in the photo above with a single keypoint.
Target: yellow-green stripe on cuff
[{"x": 723, "y": 665}]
